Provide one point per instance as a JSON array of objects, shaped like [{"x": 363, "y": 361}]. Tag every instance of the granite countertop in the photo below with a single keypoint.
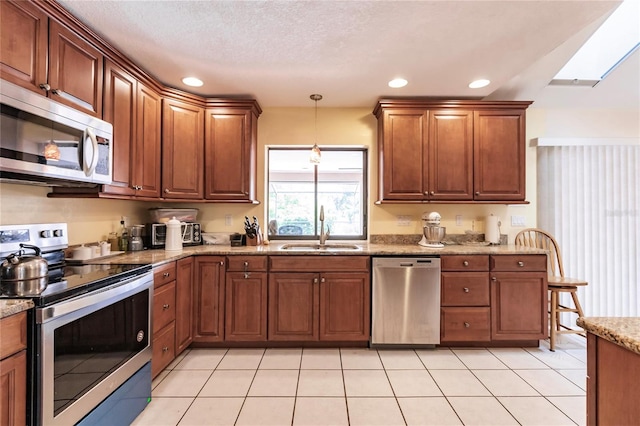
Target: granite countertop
[
  {"x": 160, "y": 256},
  {"x": 13, "y": 306},
  {"x": 623, "y": 331}
]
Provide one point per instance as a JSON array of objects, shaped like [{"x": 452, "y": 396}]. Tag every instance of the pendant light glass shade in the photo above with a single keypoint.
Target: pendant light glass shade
[{"x": 315, "y": 156}]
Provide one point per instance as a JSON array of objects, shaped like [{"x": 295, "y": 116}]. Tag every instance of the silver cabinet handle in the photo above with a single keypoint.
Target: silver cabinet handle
[
  {"x": 222, "y": 263},
  {"x": 432, "y": 193},
  {"x": 45, "y": 86},
  {"x": 322, "y": 280},
  {"x": 56, "y": 91},
  {"x": 494, "y": 279},
  {"x": 165, "y": 306},
  {"x": 166, "y": 274},
  {"x": 466, "y": 325},
  {"x": 466, "y": 289},
  {"x": 477, "y": 192},
  {"x": 165, "y": 349},
  {"x": 315, "y": 281},
  {"x": 465, "y": 263},
  {"x": 521, "y": 264},
  {"x": 166, "y": 190}
]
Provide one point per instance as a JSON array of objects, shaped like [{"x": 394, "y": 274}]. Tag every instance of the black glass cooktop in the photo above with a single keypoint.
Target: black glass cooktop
[{"x": 70, "y": 281}]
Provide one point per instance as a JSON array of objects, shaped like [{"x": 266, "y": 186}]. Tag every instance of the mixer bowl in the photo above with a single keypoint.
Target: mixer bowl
[{"x": 434, "y": 234}]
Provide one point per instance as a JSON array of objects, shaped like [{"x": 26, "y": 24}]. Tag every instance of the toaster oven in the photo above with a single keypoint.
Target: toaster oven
[{"x": 157, "y": 234}]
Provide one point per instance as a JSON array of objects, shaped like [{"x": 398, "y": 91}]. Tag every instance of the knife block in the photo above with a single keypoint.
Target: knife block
[{"x": 256, "y": 240}]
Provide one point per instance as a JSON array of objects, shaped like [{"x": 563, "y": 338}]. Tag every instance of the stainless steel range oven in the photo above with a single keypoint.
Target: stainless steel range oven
[{"x": 89, "y": 344}]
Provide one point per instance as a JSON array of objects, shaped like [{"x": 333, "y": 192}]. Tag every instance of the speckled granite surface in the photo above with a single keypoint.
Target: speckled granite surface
[
  {"x": 14, "y": 306},
  {"x": 623, "y": 331},
  {"x": 158, "y": 257}
]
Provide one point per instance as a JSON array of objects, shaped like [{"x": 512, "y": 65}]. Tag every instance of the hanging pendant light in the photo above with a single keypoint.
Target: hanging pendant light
[{"x": 314, "y": 158}]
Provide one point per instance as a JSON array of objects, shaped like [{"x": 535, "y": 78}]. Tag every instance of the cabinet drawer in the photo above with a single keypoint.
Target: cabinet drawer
[
  {"x": 13, "y": 330},
  {"x": 164, "y": 350},
  {"x": 164, "y": 306},
  {"x": 313, "y": 263},
  {"x": 465, "y": 289},
  {"x": 464, "y": 263},
  {"x": 164, "y": 274},
  {"x": 520, "y": 263},
  {"x": 465, "y": 324},
  {"x": 246, "y": 263}
]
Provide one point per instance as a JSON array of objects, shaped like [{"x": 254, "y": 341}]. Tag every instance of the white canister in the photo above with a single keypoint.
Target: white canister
[
  {"x": 82, "y": 253},
  {"x": 173, "y": 240},
  {"x": 105, "y": 248}
]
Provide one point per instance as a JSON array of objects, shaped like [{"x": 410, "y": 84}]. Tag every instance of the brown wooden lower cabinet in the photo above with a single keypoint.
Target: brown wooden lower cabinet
[
  {"x": 13, "y": 370},
  {"x": 463, "y": 324},
  {"x": 209, "y": 299},
  {"x": 613, "y": 383},
  {"x": 164, "y": 349},
  {"x": 184, "y": 303},
  {"x": 307, "y": 305},
  {"x": 246, "y": 306},
  {"x": 294, "y": 306}
]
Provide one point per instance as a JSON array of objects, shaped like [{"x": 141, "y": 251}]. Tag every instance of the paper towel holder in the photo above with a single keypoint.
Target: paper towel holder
[{"x": 492, "y": 230}]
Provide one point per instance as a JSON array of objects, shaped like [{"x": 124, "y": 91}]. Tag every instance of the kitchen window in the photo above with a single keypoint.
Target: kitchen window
[{"x": 297, "y": 189}]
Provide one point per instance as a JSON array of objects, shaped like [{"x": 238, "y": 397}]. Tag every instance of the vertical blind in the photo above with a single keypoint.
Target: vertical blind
[{"x": 588, "y": 198}]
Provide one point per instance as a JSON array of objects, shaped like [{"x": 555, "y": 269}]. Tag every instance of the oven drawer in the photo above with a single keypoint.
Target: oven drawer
[
  {"x": 164, "y": 274},
  {"x": 465, "y": 324},
  {"x": 164, "y": 306},
  {"x": 164, "y": 349}
]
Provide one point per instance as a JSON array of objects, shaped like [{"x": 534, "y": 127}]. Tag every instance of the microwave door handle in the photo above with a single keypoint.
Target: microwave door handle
[{"x": 92, "y": 147}]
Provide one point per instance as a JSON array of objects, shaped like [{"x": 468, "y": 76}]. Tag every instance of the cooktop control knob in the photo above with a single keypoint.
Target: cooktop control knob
[
  {"x": 57, "y": 233},
  {"x": 45, "y": 234}
]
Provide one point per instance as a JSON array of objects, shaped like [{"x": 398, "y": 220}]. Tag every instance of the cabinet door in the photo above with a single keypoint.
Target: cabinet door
[
  {"x": 230, "y": 155},
  {"x": 450, "y": 171},
  {"x": 146, "y": 164},
  {"x": 499, "y": 155},
  {"x": 13, "y": 390},
  {"x": 120, "y": 110},
  {"x": 75, "y": 70},
  {"x": 246, "y": 306},
  {"x": 345, "y": 302},
  {"x": 24, "y": 45},
  {"x": 519, "y": 305},
  {"x": 184, "y": 304},
  {"x": 182, "y": 150},
  {"x": 403, "y": 155},
  {"x": 209, "y": 299},
  {"x": 293, "y": 306}
]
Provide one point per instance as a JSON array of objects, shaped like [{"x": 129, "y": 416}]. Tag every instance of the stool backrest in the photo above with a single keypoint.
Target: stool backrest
[{"x": 534, "y": 237}]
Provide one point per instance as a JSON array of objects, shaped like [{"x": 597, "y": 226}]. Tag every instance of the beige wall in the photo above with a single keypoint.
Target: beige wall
[{"x": 91, "y": 220}]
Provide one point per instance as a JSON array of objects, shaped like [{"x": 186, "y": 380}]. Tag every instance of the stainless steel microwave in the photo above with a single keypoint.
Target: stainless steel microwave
[
  {"x": 157, "y": 234},
  {"x": 44, "y": 141}
]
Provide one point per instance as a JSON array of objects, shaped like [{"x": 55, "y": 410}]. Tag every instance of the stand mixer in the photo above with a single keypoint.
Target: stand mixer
[{"x": 432, "y": 232}]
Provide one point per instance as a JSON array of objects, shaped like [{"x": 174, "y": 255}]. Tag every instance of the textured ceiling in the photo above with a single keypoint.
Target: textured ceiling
[{"x": 280, "y": 52}]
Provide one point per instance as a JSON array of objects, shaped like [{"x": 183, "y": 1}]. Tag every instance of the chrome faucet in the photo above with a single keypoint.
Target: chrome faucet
[{"x": 323, "y": 236}]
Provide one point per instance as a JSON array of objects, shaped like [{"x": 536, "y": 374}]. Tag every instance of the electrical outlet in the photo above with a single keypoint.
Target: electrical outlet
[
  {"x": 458, "y": 220},
  {"x": 517, "y": 220},
  {"x": 404, "y": 220},
  {"x": 228, "y": 220}
]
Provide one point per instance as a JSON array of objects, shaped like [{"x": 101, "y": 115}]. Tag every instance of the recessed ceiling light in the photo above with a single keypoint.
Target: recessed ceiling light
[
  {"x": 398, "y": 82},
  {"x": 478, "y": 84},
  {"x": 192, "y": 81}
]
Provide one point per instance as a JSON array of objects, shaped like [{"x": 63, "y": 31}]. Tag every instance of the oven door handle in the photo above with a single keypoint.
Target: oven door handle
[{"x": 95, "y": 300}]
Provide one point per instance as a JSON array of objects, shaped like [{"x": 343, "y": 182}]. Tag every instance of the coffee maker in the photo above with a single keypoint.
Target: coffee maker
[{"x": 135, "y": 238}]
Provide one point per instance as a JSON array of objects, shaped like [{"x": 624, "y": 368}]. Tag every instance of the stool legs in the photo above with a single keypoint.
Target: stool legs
[{"x": 554, "y": 320}]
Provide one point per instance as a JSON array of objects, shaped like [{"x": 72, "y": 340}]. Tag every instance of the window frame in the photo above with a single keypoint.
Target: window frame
[{"x": 316, "y": 172}]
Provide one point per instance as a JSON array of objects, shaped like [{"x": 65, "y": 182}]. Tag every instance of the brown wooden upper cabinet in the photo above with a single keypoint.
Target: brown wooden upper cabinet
[
  {"x": 44, "y": 56},
  {"x": 182, "y": 150},
  {"x": 230, "y": 150},
  {"x": 451, "y": 151}
]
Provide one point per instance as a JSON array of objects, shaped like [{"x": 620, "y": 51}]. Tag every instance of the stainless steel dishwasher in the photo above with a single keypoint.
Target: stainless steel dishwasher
[{"x": 406, "y": 301}]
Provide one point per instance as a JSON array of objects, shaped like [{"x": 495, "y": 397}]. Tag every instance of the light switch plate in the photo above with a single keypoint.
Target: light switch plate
[
  {"x": 228, "y": 220},
  {"x": 517, "y": 220},
  {"x": 458, "y": 220},
  {"x": 404, "y": 220}
]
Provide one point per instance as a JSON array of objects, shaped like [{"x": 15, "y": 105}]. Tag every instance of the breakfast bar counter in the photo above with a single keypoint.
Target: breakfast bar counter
[{"x": 613, "y": 370}]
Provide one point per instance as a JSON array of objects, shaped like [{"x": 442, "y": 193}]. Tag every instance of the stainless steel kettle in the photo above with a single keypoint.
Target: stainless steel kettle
[{"x": 24, "y": 275}]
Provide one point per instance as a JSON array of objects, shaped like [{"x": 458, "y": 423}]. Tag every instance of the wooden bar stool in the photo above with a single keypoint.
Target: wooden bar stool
[{"x": 556, "y": 283}]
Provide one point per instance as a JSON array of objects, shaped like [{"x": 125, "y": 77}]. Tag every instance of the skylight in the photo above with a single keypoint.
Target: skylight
[{"x": 616, "y": 39}]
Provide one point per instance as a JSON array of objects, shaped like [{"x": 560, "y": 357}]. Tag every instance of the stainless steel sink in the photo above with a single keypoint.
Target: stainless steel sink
[{"x": 316, "y": 246}]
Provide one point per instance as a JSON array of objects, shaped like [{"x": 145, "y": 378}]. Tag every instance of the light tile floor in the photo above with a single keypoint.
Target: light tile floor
[{"x": 444, "y": 386}]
